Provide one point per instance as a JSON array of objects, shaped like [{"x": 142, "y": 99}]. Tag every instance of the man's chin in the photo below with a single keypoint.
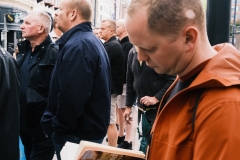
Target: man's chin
[{"x": 159, "y": 71}]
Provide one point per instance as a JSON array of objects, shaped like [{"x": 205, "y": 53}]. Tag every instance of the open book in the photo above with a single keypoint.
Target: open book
[{"x": 94, "y": 151}]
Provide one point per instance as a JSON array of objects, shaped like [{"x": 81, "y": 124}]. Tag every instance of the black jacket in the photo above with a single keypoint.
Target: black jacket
[
  {"x": 126, "y": 46},
  {"x": 116, "y": 57},
  {"x": 39, "y": 79},
  {"x": 9, "y": 107},
  {"x": 144, "y": 81}
]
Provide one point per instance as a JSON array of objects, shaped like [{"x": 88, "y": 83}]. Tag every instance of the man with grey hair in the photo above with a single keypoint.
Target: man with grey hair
[
  {"x": 199, "y": 116},
  {"x": 36, "y": 58},
  {"x": 79, "y": 97}
]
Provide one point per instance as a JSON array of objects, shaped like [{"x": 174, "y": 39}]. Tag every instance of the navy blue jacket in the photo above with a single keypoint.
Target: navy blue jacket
[{"x": 79, "y": 96}]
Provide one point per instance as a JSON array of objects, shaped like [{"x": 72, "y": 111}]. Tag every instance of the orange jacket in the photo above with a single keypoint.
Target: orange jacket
[{"x": 216, "y": 134}]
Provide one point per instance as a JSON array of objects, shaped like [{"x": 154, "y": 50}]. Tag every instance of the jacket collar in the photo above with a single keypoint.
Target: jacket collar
[
  {"x": 83, "y": 27},
  {"x": 22, "y": 46},
  {"x": 111, "y": 39},
  {"x": 222, "y": 70},
  {"x": 125, "y": 39}
]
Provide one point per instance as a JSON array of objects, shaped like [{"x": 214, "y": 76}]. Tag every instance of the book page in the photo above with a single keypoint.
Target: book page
[
  {"x": 99, "y": 155},
  {"x": 94, "y": 151},
  {"x": 69, "y": 151}
]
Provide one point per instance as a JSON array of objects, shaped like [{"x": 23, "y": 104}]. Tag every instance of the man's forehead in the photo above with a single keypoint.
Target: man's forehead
[
  {"x": 64, "y": 4},
  {"x": 31, "y": 17},
  {"x": 104, "y": 25}
]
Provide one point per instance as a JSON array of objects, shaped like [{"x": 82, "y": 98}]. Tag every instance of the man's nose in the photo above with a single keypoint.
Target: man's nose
[
  {"x": 21, "y": 26},
  {"x": 142, "y": 56},
  {"x": 56, "y": 13}
]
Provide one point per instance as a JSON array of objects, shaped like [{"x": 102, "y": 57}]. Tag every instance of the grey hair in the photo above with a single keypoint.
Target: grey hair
[{"x": 44, "y": 19}]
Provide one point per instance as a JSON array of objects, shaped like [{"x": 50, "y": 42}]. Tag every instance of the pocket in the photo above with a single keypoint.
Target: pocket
[
  {"x": 45, "y": 71},
  {"x": 33, "y": 96}
]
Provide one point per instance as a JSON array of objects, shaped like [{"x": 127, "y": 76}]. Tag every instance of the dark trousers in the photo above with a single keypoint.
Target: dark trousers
[
  {"x": 59, "y": 141},
  {"x": 36, "y": 145}
]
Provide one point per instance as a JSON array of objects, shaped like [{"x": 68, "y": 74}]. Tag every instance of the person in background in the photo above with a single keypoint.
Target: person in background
[
  {"x": 124, "y": 141},
  {"x": 15, "y": 53},
  {"x": 79, "y": 95},
  {"x": 149, "y": 87},
  {"x": 9, "y": 106},
  {"x": 55, "y": 34},
  {"x": 199, "y": 116},
  {"x": 96, "y": 32},
  {"x": 10, "y": 50},
  {"x": 36, "y": 59},
  {"x": 116, "y": 57}
]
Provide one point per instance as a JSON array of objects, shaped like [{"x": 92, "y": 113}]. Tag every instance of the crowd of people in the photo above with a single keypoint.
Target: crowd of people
[{"x": 69, "y": 81}]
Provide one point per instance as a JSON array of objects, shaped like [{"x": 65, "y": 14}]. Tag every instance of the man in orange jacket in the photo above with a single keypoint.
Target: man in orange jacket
[{"x": 199, "y": 116}]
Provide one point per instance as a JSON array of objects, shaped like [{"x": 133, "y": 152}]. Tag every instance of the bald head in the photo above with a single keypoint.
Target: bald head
[{"x": 121, "y": 28}]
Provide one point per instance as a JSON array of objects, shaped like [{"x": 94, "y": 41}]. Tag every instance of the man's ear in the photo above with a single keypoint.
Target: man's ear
[
  {"x": 191, "y": 35},
  {"x": 73, "y": 14},
  {"x": 41, "y": 29},
  {"x": 112, "y": 32}
]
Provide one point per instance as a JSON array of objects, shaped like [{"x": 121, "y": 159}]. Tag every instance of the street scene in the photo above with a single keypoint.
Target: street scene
[{"x": 156, "y": 77}]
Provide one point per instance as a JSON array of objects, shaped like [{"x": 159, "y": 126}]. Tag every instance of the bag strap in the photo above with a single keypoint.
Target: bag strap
[{"x": 195, "y": 108}]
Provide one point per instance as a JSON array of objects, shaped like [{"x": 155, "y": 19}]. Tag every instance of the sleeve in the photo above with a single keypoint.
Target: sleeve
[
  {"x": 130, "y": 93},
  {"x": 217, "y": 128},
  {"x": 46, "y": 120},
  {"x": 76, "y": 76},
  {"x": 169, "y": 80}
]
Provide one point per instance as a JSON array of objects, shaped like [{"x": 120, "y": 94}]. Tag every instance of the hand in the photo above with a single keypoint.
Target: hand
[
  {"x": 126, "y": 115},
  {"x": 148, "y": 101}
]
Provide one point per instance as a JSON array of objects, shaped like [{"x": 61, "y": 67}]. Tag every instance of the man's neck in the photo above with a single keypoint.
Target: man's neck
[
  {"x": 201, "y": 54},
  {"x": 36, "y": 41},
  {"x": 57, "y": 32},
  {"x": 107, "y": 39},
  {"x": 123, "y": 35}
]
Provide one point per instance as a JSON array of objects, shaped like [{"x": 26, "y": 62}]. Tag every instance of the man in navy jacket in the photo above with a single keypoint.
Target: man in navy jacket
[{"x": 79, "y": 98}]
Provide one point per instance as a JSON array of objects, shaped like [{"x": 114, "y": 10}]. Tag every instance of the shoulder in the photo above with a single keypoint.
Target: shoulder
[
  {"x": 221, "y": 94},
  {"x": 54, "y": 47},
  {"x": 5, "y": 54},
  {"x": 219, "y": 102},
  {"x": 6, "y": 58}
]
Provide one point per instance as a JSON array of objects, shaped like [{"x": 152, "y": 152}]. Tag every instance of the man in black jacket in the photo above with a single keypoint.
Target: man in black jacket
[
  {"x": 148, "y": 86},
  {"x": 124, "y": 141},
  {"x": 9, "y": 107},
  {"x": 36, "y": 58},
  {"x": 116, "y": 57}
]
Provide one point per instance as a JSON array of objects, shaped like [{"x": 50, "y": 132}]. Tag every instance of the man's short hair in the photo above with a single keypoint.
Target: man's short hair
[
  {"x": 167, "y": 17},
  {"x": 42, "y": 18},
  {"x": 111, "y": 23},
  {"x": 83, "y": 7}
]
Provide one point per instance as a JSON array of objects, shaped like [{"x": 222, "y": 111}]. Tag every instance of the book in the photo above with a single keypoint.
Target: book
[{"x": 94, "y": 151}]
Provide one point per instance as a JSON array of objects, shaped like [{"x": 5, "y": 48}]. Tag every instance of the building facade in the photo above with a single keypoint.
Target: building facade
[{"x": 12, "y": 13}]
